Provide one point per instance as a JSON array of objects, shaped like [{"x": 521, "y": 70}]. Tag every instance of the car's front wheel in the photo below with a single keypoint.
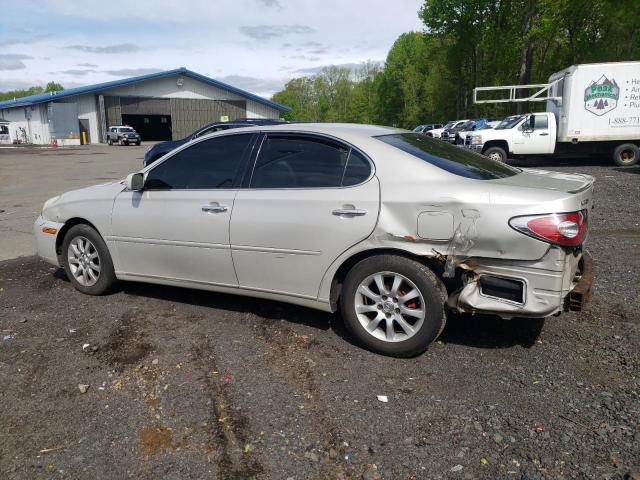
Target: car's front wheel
[
  {"x": 393, "y": 305},
  {"x": 87, "y": 261},
  {"x": 496, "y": 153}
]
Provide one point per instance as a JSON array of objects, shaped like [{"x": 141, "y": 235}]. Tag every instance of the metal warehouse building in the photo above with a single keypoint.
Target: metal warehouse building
[{"x": 160, "y": 106}]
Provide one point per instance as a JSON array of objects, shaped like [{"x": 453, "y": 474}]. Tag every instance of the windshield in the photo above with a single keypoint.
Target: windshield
[
  {"x": 418, "y": 128},
  {"x": 126, "y": 130},
  {"x": 467, "y": 125},
  {"x": 449, "y": 125},
  {"x": 458, "y": 161},
  {"x": 509, "y": 122}
]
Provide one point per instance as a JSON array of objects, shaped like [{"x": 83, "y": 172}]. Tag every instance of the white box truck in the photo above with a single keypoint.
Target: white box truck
[{"x": 592, "y": 110}]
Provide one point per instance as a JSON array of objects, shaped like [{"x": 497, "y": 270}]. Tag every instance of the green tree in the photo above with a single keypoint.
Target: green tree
[{"x": 25, "y": 92}]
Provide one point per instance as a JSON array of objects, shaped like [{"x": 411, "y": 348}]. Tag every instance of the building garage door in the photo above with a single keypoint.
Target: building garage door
[
  {"x": 188, "y": 115},
  {"x": 150, "y": 117}
]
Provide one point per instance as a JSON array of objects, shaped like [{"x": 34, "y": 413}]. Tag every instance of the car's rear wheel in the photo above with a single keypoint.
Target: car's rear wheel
[
  {"x": 393, "y": 305},
  {"x": 496, "y": 153},
  {"x": 87, "y": 261},
  {"x": 109, "y": 141},
  {"x": 626, "y": 154}
]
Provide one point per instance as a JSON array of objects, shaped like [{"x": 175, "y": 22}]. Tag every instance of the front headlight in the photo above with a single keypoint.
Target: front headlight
[{"x": 476, "y": 140}]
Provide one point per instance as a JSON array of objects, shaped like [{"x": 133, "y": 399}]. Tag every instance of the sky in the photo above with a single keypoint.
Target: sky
[{"x": 256, "y": 45}]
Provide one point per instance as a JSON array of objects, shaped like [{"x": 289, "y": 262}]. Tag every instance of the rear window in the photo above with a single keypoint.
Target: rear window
[{"x": 456, "y": 160}]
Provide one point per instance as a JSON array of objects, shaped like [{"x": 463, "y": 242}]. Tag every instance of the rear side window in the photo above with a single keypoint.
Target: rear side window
[
  {"x": 357, "y": 171},
  {"x": 209, "y": 164},
  {"x": 456, "y": 160},
  {"x": 299, "y": 162}
]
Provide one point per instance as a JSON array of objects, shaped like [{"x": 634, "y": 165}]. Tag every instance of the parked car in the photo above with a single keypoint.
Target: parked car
[
  {"x": 156, "y": 151},
  {"x": 123, "y": 135},
  {"x": 427, "y": 127},
  {"x": 437, "y": 132},
  {"x": 449, "y": 134},
  {"x": 389, "y": 226},
  {"x": 481, "y": 124}
]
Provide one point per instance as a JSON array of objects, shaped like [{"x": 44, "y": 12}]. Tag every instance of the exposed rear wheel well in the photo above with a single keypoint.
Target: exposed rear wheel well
[
  {"x": 68, "y": 224},
  {"x": 341, "y": 273}
]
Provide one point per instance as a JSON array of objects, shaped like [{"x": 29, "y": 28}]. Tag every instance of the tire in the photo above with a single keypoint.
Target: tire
[
  {"x": 109, "y": 141},
  {"x": 120, "y": 142},
  {"x": 626, "y": 155},
  {"x": 379, "y": 311},
  {"x": 76, "y": 261},
  {"x": 138, "y": 144},
  {"x": 496, "y": 153}
]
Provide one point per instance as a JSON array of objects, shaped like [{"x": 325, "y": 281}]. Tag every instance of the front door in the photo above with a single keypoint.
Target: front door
[
  {"x": 537, "y": 141},
  {"x": 309, "y": 200},
  {"x": 177, "y": 228}
]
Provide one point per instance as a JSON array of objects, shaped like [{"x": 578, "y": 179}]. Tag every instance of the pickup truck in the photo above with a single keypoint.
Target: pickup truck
[
  {"x": 592, "y": 110},
  {"x": 449, "y": 132}
]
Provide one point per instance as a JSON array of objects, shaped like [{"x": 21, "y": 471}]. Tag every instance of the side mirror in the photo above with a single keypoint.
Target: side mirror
[{"x": 135, "y": 181}]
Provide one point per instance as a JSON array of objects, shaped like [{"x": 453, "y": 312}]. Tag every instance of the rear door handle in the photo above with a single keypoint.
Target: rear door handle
[
  {"x": 544, "y": 134},
  {"x": 214, "y": 208},
  {"x": 349, "y": 212}
]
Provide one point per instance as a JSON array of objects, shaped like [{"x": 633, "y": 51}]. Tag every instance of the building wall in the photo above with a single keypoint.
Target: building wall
[
  {"x": 36, "y": 129},
  {"x": 188, "y": 115},
  {"x": 88, "y": 109},
  {"x": 192, "y": 89}
]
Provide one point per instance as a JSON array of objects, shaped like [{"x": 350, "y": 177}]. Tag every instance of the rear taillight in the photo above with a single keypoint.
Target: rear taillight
[{"x": 566, "y": 229}]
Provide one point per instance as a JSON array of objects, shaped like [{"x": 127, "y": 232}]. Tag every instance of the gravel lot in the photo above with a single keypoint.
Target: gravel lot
[{"x": 188, "y": 384}]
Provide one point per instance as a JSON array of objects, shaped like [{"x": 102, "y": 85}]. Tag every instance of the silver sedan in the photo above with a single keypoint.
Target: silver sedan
[{"x": 390, "y": 227}]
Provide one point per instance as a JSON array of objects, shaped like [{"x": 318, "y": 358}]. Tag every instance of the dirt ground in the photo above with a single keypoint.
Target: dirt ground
[{"x": 186, "y": 384}]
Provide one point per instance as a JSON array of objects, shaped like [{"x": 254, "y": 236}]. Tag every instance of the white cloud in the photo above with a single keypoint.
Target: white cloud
[{"x": 279, "y": 40}]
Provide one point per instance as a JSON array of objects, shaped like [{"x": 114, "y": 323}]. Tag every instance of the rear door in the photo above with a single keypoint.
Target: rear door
[{"x": 309, "y": 198}]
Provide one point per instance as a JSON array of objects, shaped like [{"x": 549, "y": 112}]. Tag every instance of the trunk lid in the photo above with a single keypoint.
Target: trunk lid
[{"x": 544, "y": 179}]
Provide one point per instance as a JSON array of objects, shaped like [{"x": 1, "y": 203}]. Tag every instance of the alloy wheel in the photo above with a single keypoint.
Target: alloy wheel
[
  {"x": 389, "y": 306},
  {"x": 84, "y": 261}
]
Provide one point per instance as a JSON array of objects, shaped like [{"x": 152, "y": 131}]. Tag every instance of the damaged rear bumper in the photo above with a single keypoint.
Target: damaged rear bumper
[
  {"x": 559, "y": 281},
  {"x": 579, "y": 296}
]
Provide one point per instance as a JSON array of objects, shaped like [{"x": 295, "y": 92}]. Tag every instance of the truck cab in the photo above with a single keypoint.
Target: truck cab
[{"x": 517, "y": 135}]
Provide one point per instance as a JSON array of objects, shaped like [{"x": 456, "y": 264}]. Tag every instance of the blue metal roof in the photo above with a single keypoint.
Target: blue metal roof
[{"x": 70, "y": 92}]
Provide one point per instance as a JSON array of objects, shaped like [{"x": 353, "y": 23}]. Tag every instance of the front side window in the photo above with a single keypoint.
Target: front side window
[
  {"x": 458, "y": 161},
  {"x": 126, "y": 130},
  {"x": 299, "y": 162},
  {"x": 541, "y": 122},
  {"x": 210, "y": 164}
]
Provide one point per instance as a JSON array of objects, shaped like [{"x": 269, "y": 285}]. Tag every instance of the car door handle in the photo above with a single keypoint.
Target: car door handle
[
  {"x": 214, "y": 208},
  {"x": 544, "y": 134},
  {"x": 349, "y": 212}
]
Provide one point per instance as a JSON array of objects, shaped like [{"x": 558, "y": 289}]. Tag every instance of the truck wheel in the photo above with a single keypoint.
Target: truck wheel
[
  {"x": 393, "y": 305},
  {"x": 626, "y": 154},
  {"x": 109, "y": 141},
  {"x": 496, "y": 153}
]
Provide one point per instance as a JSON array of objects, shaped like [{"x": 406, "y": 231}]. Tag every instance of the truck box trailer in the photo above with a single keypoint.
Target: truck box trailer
[{"x": 591, "y": 109}]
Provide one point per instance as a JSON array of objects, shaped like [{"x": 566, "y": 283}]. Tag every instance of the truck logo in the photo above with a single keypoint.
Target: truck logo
[{"x": 602, "y": 96}]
